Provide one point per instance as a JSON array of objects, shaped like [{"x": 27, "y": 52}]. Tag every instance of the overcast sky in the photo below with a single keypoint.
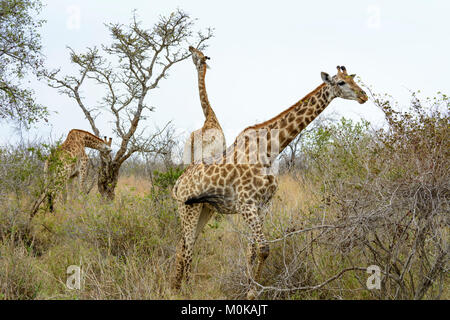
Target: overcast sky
[{"x": 265, "y": 56}]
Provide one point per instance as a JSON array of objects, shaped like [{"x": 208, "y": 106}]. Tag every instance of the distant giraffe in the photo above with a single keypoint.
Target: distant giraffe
[
  {"x": 70, "y": 161},
  {"x": 208, "y": 140},
  {"x": 236, "y": 182}
]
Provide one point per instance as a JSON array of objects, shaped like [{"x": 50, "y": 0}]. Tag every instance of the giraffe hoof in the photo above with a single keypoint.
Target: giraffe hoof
[
  {"x": 251, "y": 294},
  {"x": 175, "y": 286}
]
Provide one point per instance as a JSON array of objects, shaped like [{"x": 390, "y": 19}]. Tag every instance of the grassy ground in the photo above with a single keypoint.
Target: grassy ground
[{"x": 126, "y": 250}]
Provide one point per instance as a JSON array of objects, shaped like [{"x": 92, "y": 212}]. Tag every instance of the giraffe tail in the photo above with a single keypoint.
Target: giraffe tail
[{"x": 213, "y": 199}]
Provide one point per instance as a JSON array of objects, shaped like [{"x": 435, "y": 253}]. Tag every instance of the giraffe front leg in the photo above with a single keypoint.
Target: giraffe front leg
[
  {"x": 65, "y": 190},
  {"x": 61, "y": 184},
  {"x": 82, "y": 189},
  {"x": 251, "y": 256}
]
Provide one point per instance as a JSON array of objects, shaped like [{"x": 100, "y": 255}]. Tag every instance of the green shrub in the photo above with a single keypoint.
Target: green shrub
[{"x": 166, "y": 179}]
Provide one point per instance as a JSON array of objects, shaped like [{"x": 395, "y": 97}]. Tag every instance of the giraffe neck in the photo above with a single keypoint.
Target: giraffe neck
[
  {"x": 207, "y": 110},
  {"x": 287, "y": 124},
  {"x": 296, "y": 118},
  {"x": 77, "y": 139}
]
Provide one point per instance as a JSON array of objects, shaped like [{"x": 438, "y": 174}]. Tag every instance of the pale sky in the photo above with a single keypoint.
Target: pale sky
[{"x": 265, "y": 56}]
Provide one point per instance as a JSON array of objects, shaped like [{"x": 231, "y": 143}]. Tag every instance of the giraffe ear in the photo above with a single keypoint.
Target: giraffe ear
[{"x": 326, "y": 77}]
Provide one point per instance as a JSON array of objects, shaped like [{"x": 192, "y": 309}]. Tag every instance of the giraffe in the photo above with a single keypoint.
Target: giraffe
[
  {"x": 69, "y": 161},
  {"x": 208, "y": 140},
  {"x": 236, "y": 182}
]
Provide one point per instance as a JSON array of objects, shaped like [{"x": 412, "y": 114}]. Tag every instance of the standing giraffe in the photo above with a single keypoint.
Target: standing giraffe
[
  {"x": 238, "y": 182},
  {"x": 69, "y": 161},
  {"x": 208, "y": 140}
]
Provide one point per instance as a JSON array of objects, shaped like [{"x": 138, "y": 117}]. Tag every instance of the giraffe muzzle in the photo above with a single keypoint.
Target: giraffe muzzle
[{"x": 362, "y": 99}]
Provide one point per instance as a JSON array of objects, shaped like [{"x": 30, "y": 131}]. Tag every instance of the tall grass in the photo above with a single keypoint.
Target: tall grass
[{"x": 361, "y": 197}]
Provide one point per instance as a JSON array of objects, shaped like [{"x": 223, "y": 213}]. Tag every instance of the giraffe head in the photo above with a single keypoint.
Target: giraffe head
[
  {"x": 198, "y": 57},
  {"x": 343, "y": 85},
  {"x": 106, "y": 146},
  {"x": 94, "y": 142},
  {"x": 108, "y": 142}
]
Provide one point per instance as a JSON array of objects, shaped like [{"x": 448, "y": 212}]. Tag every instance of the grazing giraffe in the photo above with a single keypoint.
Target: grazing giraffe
[
  {"x": 70, "y": 161},
  {"x": 208, "y": 140},
  {"x": 238, "y": 182}
]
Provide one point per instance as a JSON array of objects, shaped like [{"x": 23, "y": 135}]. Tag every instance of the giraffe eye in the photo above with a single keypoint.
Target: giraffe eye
[{"x": 341, "y": 83}]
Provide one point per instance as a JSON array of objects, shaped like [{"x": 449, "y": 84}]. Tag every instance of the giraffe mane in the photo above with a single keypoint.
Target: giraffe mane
[
  {"x": 262, "y": 124},
  {"x": 86, "y": 132}
]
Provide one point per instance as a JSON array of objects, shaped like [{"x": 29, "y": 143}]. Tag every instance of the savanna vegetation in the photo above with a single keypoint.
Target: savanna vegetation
[{"x": 354, "y": 197}]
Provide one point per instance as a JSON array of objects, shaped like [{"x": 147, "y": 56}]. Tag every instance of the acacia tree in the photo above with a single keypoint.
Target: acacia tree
[
  {"x": 20, "y": 53},
  {"x": 138, "y": 60}
]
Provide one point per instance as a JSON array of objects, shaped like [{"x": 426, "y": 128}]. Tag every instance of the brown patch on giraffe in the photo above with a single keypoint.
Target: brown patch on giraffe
[
  {"x": 247, "y": 174},
  {"x": 231, "y": 177},
  {"x": 270, "y": 179},
  {"x": 214, "y": 179},
  {"x": 291, "y": 117},
  {"x": 229, "y": 167},
  {"x": 257, "y": 182},
  {"x": 210, "y": 170},
  {"x": 301, "y": 111},
  {"x": 292, "y": 127},
  {"x": 207, "y": 180},
  {"x": 302, "y": 125}
]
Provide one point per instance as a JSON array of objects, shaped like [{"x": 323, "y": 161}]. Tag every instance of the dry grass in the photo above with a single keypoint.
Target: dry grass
[{"x": 126, "y": 250}]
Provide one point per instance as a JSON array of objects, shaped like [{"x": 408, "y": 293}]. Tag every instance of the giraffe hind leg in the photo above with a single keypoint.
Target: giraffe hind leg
[
  {"x": 189, "y": 216},
  {"x": 179, "y": 264}
]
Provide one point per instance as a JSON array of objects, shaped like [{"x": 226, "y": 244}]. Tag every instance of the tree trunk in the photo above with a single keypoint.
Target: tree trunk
[{"x": 107, "y": 177}]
